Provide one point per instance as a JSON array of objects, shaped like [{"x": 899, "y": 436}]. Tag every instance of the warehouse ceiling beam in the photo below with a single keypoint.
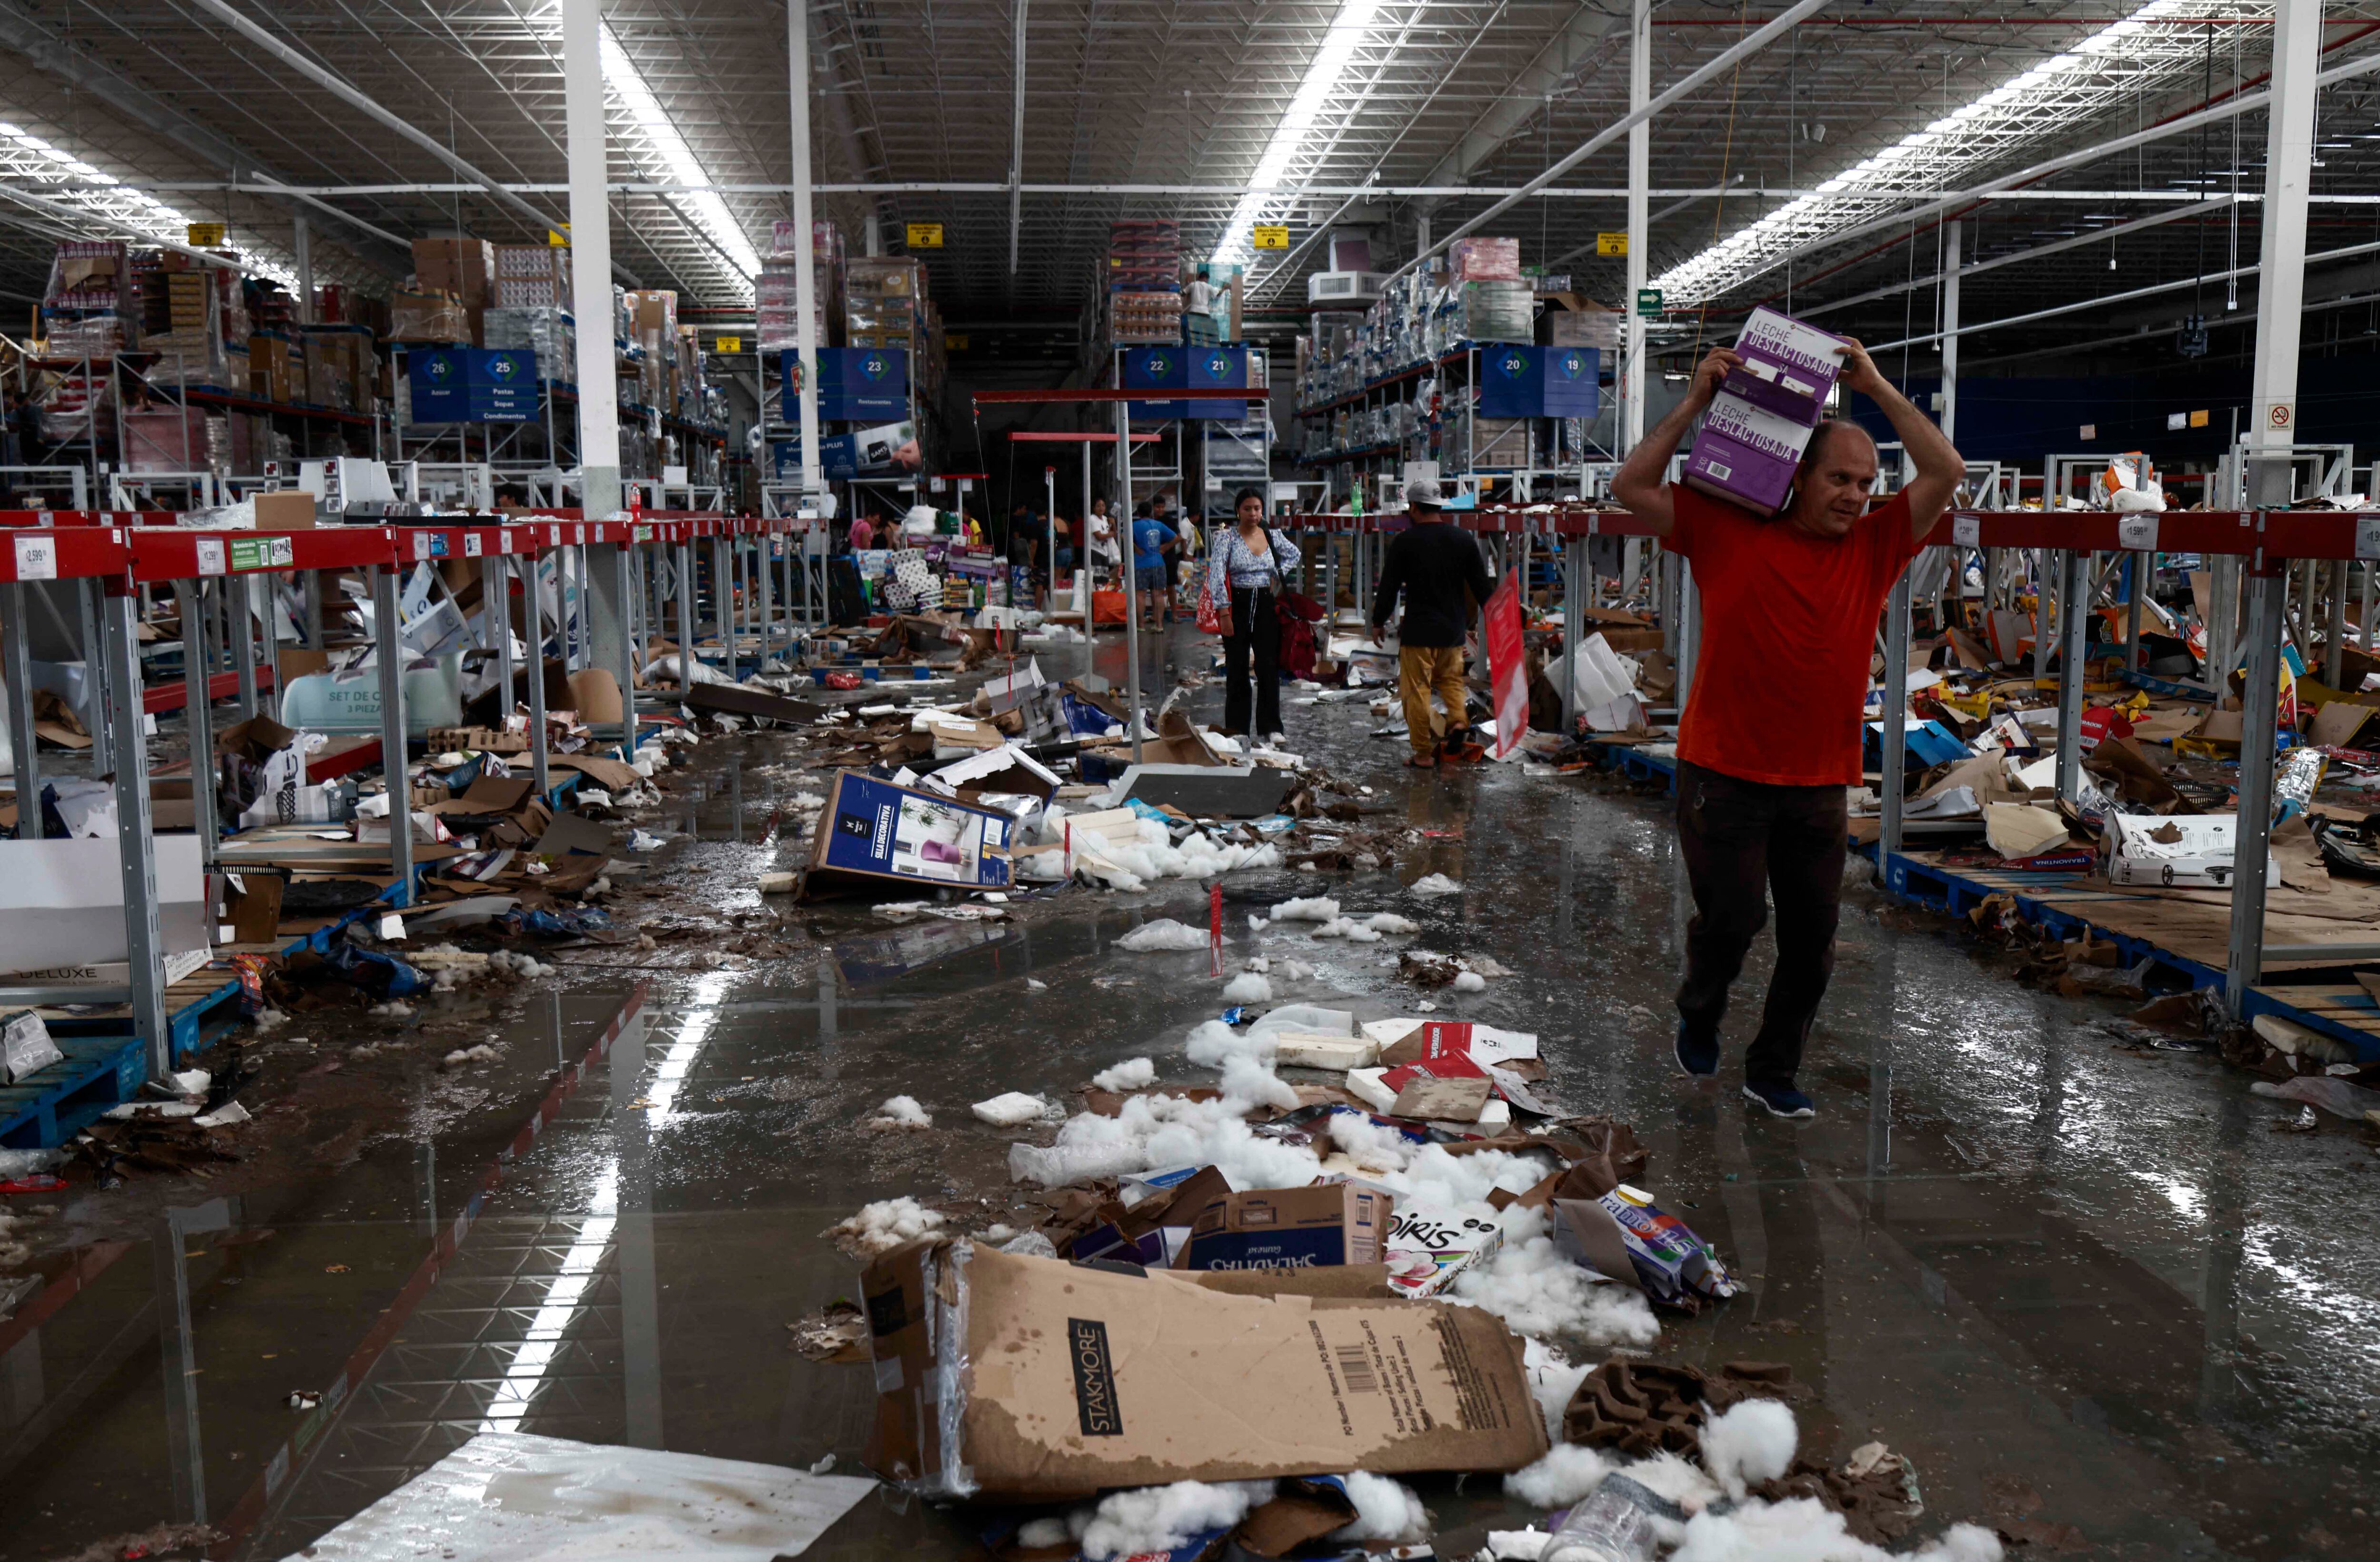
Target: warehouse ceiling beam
[
  {"x": 2039, "y": 252},
  {"x": 1585, "y": 38},
  {"x": 1902, "y": 215},
  {"x": 1776, "y": 26},
  {"x": 46, "y": 52},
  {"x": 346, "y": 92}
]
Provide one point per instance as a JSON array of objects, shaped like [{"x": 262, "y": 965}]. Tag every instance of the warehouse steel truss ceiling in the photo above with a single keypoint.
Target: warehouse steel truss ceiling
[{"x": 1170, "y": 108}]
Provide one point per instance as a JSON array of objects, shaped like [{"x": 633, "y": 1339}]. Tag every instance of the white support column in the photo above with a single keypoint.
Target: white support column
[
  {"x": 797, "y": 68},
  {"x": 302, "y": 244},
  {"x": 1640, "y": 182},
  {"x": 2280, "y": 285},
  {"x": 1948, "y": 417},
  {"x": 590, "y": 256},
  {"x": 1016, "y": 149}
]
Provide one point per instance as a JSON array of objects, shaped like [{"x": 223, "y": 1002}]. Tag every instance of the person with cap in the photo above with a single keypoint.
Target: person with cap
[
  {"x": 1432, "y": 564},
  {"x": 1770, "y": 739}
]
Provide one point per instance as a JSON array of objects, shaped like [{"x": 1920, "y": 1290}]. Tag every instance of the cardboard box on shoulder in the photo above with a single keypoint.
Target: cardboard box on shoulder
[{"x": 1004, "y": 1376}]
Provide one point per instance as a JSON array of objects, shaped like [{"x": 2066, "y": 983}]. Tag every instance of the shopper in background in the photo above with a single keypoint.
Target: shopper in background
[
  {"x": 1772, "y": 735},
  {"x": 863, "y": 534},
  {"x": 1249, "y": 561},
  {"x": 1153, "y": 540},
  {"x": 1178, "y": 523},
  {"x": 1432, "y": 563}
]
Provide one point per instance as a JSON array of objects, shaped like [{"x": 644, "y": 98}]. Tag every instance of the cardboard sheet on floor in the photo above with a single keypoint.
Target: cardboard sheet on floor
[
  {"x": 1207, "y": 792},
  {"x": 510, "y": 1497},
  {"x": 609, "y": 774},
  {"x": 737, "y": 701},
  {"x": 1083, "y": 1378},
  {"x": 574, "y": 832}
]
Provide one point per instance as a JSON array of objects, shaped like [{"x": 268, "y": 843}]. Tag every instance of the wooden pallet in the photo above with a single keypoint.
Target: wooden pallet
[{"x": 2186, "y": 943}]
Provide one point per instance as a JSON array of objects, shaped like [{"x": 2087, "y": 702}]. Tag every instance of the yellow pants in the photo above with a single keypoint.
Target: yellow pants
[{"x": 1421, "y": 670}]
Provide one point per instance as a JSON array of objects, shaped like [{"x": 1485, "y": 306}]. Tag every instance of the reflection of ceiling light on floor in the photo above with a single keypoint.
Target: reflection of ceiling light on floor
[
  {"x": 566, "y": 1292},
  {"x": 1348, "y": 31}
]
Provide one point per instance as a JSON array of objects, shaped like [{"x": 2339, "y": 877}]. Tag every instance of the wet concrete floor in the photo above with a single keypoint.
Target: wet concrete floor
[{"x": 2094, "y": 1296}]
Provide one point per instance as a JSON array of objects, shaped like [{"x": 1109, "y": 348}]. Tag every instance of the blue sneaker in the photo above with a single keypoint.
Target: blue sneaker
[
  {"x": 1697, "y": 1057},
  {"x": 1782, "y": 1100}
]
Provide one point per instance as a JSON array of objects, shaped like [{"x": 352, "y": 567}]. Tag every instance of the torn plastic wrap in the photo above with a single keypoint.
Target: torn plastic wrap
[
  {"x": 382, "y": 976},
  {"x": 2295, "y": 776}
]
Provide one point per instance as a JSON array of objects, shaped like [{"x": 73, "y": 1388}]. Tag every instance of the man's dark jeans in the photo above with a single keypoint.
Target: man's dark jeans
[{"x": 1741, "y": 839}]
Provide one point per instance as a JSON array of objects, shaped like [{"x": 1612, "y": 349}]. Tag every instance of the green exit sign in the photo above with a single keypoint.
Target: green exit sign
[{"x": 1648, "y": 302}]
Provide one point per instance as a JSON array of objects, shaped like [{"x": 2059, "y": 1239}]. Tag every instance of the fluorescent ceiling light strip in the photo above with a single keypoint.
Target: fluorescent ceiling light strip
[
  {"x": 2053, "y": 96},
  {"x": 1347, "y": 32},
  {"x": 26, "y": 155},
  {"x": 676, "y": 158}
]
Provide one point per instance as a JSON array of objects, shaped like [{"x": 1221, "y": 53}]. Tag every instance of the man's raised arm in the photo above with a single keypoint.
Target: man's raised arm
[{"x": 1643, "y": 482}]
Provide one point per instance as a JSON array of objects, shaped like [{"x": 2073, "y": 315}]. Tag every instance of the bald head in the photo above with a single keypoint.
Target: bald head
[{"x": 1837, "y": 474}]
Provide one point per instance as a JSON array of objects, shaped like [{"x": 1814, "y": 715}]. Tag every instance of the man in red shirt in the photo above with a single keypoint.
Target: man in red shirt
[{"x": 1770, "y": 738}]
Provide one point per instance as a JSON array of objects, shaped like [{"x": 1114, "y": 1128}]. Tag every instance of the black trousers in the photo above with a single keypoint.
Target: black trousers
[
  {"x": 1746, "y": 843},
  {"x": 1255, "y": 627}
]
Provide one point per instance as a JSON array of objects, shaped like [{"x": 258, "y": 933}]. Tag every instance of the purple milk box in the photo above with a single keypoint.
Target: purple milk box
[
  {"x": 1746, "y": 455},
  {"x": 1788, "y": 367}
]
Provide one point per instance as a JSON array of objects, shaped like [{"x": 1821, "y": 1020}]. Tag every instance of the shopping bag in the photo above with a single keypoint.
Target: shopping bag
[{"x": 1213, "y": 620}]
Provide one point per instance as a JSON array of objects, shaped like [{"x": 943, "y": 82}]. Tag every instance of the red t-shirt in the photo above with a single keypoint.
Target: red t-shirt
[{"x": 1787, "y": 630}]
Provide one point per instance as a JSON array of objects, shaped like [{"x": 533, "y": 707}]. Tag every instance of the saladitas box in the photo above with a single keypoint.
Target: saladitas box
[{"x": 1004, "y": 1376}]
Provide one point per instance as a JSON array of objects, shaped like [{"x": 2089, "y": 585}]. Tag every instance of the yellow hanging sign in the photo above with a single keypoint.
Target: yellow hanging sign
[
  {"x": 1265, "y": 237},
  {"x": 925, "y": 235},
  {"x": 728, "y": 344},
  {"x": 954, "y": 342},
  {"x": 205, "y": 236},
  {"x": 1611, "y": 243},
  {"x": 556, "y": 240}
]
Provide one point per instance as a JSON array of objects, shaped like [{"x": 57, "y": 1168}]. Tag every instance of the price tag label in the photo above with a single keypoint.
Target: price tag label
[
  {"x": 1966, "y": 531},
  {"x": 420, "y": 546},
  {"x": 553, "y": 537},
  {"x": 504, "y": 540},
  {"x": 37, "y": 558},
  {"x": 45, "y": 518},
  {"x": 211, "y": 555},
  {"x": 472, "y": 545},
  {"x": 582, "y": 533},
  {"x": 2137, "y": 532},
  {"x": 2367, "y": 537}
]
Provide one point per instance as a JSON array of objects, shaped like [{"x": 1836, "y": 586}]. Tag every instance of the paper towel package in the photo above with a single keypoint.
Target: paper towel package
[
  {"x": 1745, "y": 455},
  {"x": 1788, "y": 368}
]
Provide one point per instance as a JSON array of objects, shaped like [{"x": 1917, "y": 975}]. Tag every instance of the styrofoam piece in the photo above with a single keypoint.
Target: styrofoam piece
[
  {"x": 1364, "y": 1085},
  {"x": 1304, "y": 1049},
  {"x": 510, "y": 1497},
  {"x": 1308, "y": 1017}
]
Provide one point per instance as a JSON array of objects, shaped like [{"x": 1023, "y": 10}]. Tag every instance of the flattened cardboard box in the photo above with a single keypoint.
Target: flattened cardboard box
[{"x": 1026, "y": 1377}]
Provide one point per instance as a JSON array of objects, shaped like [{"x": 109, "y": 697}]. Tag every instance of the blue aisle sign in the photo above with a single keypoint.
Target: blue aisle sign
[
  {"x": 1520, "y": 379},
  {"x": 472, "y": 385},
  {"x": 1225, "y": 367},
  {"x": 854, "y": 384},
  {"x": 1157, "y": 368}
]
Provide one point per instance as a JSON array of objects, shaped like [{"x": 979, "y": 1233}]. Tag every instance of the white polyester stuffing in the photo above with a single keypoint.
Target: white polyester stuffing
[
  {"x": 1752, "y": 1443},
  {"x": 1436, "y": 884},
  {"x": 882, "y": 1226},
  {"x": 901, "y": 1112},
  {"x": 1161, "y": 1518},
  {"x": 1248, "y": 987},
  {"x": 1133, "y": 1073},
  {"x": 1804, "y": 1530},
  {"x": 1385, "y": 1510},
  {"x": 1312, "y": 909},
  {"x": 1163, "y": 934}
]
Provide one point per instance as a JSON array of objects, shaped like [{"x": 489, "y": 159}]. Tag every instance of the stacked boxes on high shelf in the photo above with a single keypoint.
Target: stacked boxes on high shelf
[
  {"x": 779, "y": 316},
  {"x": 87, "y": 312},
  {"x": 1145, "y": 283},
  {"x": 881, "y": 299}
]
